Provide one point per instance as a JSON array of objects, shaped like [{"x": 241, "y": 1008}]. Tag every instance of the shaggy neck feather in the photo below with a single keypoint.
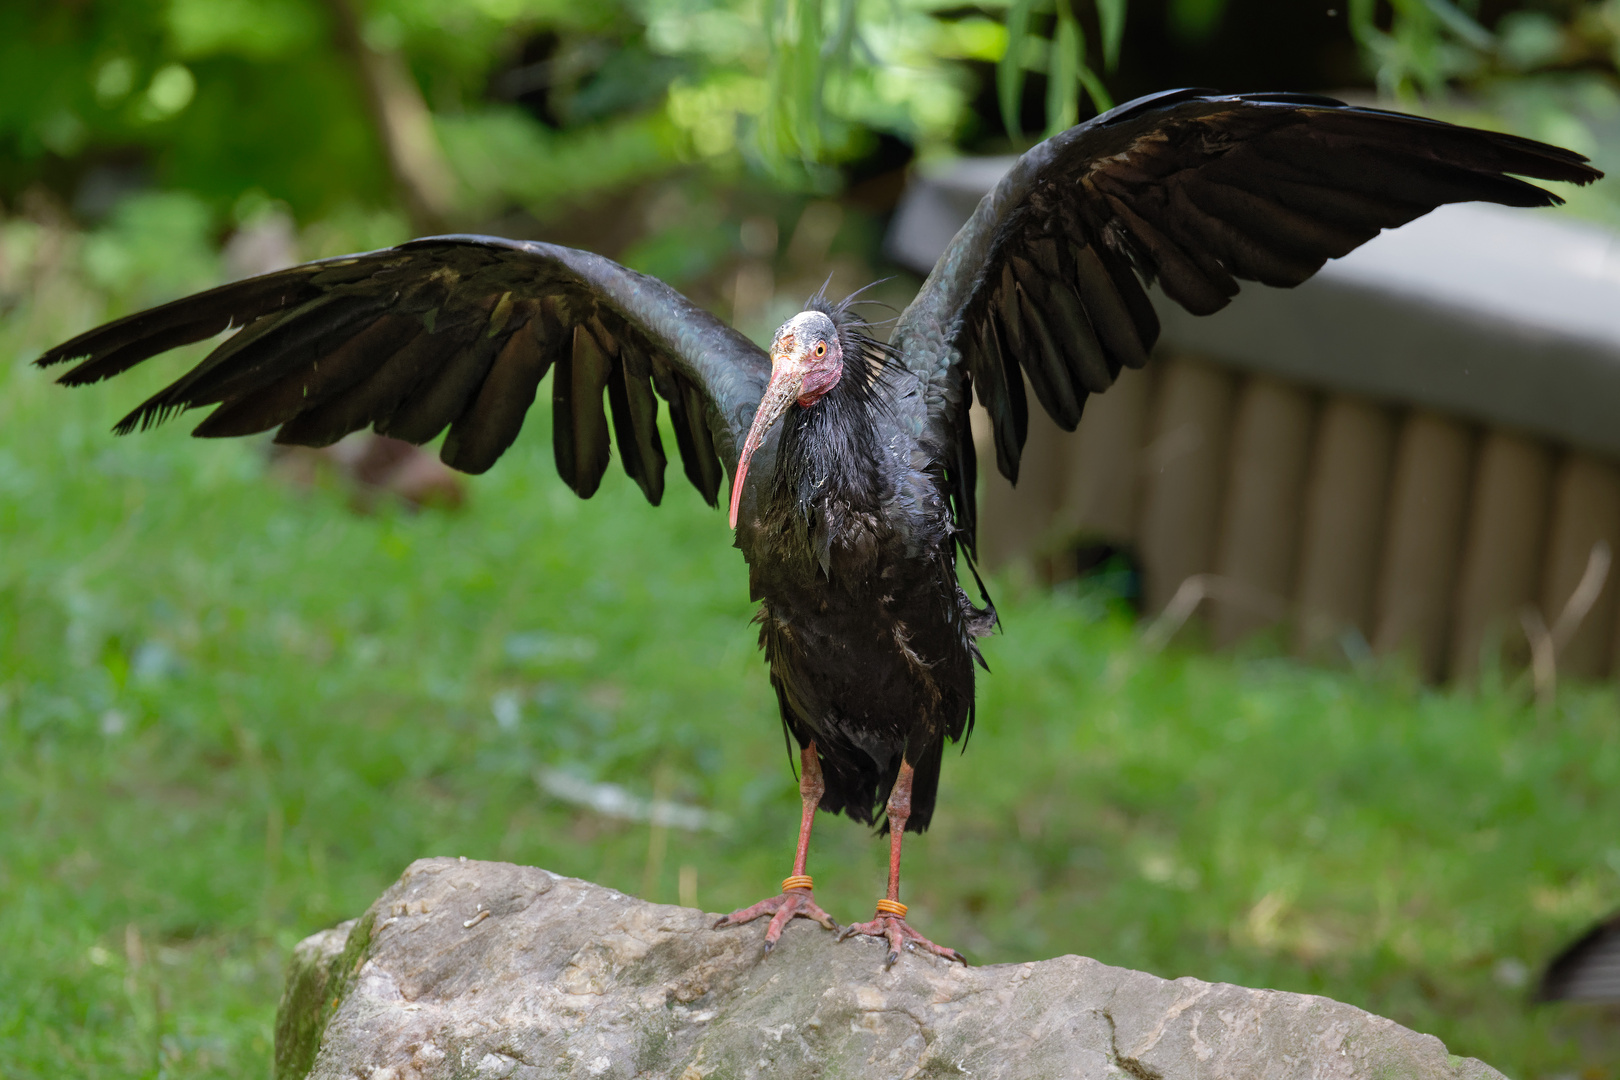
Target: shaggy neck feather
[{"x": 829, "y": 447}]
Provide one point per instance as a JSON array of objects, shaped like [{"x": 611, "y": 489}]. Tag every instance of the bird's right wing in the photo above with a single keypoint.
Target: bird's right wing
[{"x": 457, "y": 332}]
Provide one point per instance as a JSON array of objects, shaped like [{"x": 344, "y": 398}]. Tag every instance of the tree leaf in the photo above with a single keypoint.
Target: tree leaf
[
  {"x": 1461, "y": 23},
  {"x": 1111, "y": 20},
  {"x": 1010, "y": 72},
  {"x": 1068, "y": 56},
  {"x": 1100, "y": 97}
]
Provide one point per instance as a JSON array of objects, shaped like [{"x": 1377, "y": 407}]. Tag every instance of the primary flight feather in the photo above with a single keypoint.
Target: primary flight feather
[{"x": 852, "y": 460}]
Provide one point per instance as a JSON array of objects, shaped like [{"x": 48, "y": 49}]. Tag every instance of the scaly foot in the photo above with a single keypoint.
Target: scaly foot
[
  {"x": 794, "y": 902},
  {"x": 900, "y": 936}
]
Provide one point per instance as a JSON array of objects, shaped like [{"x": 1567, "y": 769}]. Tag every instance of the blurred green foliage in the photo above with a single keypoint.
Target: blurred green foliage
[
  {"x": 536, "y": 104},
  {"x": 215, "y": 97},
  {"x": 1064, "y": 58},
  {"x": 241, "y": 100},
  {"x": 1547, "y": 69}
]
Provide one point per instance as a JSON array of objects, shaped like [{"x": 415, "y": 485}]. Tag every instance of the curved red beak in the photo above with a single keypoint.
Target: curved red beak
[{"x": 787, "y": 380}]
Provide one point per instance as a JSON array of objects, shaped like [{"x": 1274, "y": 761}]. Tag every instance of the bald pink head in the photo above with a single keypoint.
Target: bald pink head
[{"x": 806, "y": 362}]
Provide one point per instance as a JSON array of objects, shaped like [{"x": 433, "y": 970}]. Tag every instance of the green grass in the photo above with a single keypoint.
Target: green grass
[{"x": 231, "y": 713}]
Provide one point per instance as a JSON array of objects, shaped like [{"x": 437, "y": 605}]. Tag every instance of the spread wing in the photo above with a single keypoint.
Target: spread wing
[
  {"x": 457, "y": 332},
  {"x": 1187, "y": 188}
]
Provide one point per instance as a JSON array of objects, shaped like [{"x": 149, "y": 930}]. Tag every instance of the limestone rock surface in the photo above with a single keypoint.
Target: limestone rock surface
[{"x": 485, "y": 971}]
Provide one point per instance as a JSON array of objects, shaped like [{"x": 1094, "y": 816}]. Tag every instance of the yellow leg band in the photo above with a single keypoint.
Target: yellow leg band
[
  {"x": 891, "y": 907},
  {"x": 797, "y": 881}
]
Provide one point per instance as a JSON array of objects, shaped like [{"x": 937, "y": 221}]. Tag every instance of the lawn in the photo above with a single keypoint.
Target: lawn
[{"x": 231, "y": 712}]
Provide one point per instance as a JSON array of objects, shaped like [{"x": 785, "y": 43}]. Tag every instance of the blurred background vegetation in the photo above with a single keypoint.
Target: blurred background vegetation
[
  {"x": 230, "y": 712},
  {"x": 366, "y": 122}
]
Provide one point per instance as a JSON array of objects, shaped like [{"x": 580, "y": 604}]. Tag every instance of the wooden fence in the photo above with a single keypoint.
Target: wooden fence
[{"x": 1353, "y": 524}]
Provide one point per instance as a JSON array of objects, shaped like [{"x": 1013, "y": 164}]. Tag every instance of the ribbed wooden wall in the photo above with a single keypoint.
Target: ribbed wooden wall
[{"x": 1337, "y": 517}]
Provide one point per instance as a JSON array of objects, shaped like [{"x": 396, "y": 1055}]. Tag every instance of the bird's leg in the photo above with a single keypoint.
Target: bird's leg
[
  {"x": 796, "y": 898},
  {"x": 890, "y": 921}
]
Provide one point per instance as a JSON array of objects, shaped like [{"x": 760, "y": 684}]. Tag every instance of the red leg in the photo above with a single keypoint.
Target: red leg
[
  {"x": 890, "y": 922},
  {"x": 796, "y": 898}
]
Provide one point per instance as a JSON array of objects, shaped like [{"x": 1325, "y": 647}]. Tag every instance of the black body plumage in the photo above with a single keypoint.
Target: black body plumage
[
  {"x": 859, "y": 504},
  {"x": 869, "y": 637}
]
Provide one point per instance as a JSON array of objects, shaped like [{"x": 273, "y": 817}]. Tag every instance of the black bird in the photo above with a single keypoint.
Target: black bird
[{"x": 853, "y": 510}]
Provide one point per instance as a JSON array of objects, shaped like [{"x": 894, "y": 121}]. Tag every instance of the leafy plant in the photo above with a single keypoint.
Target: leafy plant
[
  {"x": 1428, "y": 43},
  {"x": 1063, "y": 58}
]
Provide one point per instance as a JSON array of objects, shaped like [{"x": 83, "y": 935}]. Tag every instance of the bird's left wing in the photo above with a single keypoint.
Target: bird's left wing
[
  {"x": 1187, "y": 188},
  {"x": 454, "y": 332}
]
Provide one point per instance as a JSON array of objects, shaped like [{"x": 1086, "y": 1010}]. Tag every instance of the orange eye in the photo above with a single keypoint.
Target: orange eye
[{"x": 821, "y": 348}]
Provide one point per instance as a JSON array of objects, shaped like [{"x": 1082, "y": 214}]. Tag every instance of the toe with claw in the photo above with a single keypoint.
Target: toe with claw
[
  {"x": 795, "y": 902},
  {"x": 893, "y": 927}
]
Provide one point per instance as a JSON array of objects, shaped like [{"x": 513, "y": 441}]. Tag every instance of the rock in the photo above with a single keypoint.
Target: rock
[{"x": 487, "y": 970}]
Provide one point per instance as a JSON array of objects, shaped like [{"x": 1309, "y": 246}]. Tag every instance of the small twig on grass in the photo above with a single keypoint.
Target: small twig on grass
[
  {"x": 1580, "y": 602},
  {"x": 1193, "y": 591},
  {"x": 1545, "y": 643},
  {"x": 1543, "y": 655}
]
